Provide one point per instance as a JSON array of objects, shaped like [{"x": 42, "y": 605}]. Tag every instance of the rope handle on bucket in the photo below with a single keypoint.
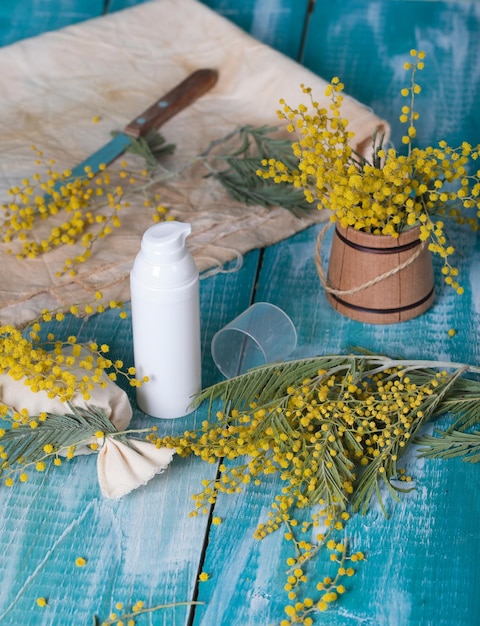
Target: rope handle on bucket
[{"x": 370, "y": 283}]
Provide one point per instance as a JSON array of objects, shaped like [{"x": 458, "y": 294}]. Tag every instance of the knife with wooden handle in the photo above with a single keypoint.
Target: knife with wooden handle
[{"x": 161, "y": 111}]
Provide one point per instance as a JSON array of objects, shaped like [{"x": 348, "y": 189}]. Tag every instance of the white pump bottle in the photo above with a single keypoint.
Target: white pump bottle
[{"x": 164, "y": 285}]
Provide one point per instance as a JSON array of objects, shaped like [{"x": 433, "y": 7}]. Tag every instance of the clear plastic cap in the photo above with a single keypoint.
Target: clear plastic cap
[{"x": 262, "y": 334}]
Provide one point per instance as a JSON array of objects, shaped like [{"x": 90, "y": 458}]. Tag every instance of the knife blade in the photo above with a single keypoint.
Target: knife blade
[{"x": 181, "y": 96}]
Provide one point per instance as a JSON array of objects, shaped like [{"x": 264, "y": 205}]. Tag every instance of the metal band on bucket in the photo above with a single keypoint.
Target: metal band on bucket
[
  {"x": 399, "y": 309},
  {"x": 370, "y": 250}
]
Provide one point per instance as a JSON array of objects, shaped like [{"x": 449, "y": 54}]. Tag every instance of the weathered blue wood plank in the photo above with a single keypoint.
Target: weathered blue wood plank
[
  {"x": 422, "y": 565},
  {"x": 278, "y": 23},
  {"x": 26, "y": 18},
  {"x": 142, "y": 547},
  {"x": 119, "y": 5},
  {"x": 430, "y": 536},
  {"x": 367, "y": 45}
]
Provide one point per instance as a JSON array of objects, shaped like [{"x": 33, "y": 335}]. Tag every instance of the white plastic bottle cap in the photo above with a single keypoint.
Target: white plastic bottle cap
[{"x": 165, "y": 241}]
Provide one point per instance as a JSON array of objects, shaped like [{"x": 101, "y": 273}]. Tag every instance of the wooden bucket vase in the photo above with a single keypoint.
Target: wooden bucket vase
[{"x": 377, "y": 278}]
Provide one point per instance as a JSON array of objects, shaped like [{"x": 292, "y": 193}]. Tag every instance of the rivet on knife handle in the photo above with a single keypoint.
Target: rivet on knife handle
[{"x": 171, "y": 103}]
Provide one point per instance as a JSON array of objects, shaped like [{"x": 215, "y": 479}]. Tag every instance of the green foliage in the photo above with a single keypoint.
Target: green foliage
[
  {"x": 233, "y": 160},
  {"x": 24, "y": 446},
  {"x": 371, "y": 407},
  {"x": 451, "y": 444},
  {"x": 152, "y": 147},
  {"x": 240, "y": 178}
]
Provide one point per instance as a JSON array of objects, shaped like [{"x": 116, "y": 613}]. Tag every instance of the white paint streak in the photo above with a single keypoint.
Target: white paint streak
[
  {"x": 455, "y": 39},
  {"x": 474, "y": 276},
  {"x": 269, "y": 552},
  {"x": 72, "y": 526},
  {"x": 265, "y": 19},
  {"x": 237, "y": 564},
  {"x": 353, "y": 620},
  {"x": 398, "y": 610}
]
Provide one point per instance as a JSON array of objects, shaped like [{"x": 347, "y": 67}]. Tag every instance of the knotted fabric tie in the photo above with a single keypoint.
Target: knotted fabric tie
[{"x": 121, "y": 467}]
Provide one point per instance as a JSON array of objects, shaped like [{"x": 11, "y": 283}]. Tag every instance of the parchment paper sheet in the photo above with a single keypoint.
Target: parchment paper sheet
[{"x": 115, "y": 67}]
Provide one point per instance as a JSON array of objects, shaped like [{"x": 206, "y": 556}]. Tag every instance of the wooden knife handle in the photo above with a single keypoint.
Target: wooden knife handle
[{"x": 172, "y": 103}]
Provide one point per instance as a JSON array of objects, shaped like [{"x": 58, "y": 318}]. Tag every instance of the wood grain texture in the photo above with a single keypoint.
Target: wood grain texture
[
  {"x": 367, "y": 45},
  {"x": 278, "y": 23},
  {"x": 20, "y": 19},
  {"x": 422, "y": 565},
  {"x": 144, "y": 546}
]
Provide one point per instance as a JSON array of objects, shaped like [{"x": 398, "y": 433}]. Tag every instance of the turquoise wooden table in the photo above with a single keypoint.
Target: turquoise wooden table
[{"x": 422, "y": 564}]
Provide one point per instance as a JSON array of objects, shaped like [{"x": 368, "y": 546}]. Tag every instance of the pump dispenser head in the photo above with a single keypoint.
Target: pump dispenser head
[
  {"x": 165, "y": 242},
  {"x": 164, "y": 261}
]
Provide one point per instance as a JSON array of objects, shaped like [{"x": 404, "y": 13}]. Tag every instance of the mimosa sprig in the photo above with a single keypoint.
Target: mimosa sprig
[
  {"x": 392, "y": 191},
  {"x": 334, "y": 429},
  {"x": 51, "y": 436}
]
